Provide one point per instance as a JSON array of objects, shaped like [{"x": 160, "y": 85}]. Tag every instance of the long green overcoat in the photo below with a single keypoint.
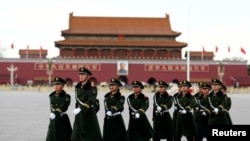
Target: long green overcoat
[
  {"x": 59, "y": 128},
  {"x": 86, "y": 126},
  {"x": 163, "y": 126}
]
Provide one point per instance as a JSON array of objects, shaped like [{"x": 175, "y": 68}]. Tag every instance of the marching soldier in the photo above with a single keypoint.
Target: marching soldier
[
  {"x": 59, "y": 127},
  {"x": 218, "y": 103},
  {"x": 86, "y": 126},
  {"x": 175, "y": 96},
  {"x": 139, "y": 128},
  {"x": 196, "y": 97},
  {"x": 185, "y": 124},
  {"x": 224, "y": 91},
  {"x": 163, "y": 127},
  {"x": 203, "y": 113},
  {"x": 114, "y": 128},
  {"x": 97, "y": 102}
]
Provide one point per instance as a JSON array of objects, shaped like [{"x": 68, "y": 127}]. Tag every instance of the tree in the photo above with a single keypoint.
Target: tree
[
  {"x": 233, "y": 59},
  {"x": 2, "y": 50}
]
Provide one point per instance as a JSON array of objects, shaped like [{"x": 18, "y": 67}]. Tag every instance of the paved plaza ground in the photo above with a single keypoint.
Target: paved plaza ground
[{"x": 24, "y": 115}]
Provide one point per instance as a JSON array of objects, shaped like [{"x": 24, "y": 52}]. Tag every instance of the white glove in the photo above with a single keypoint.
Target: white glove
[
  {"x": 158, "y": 109},
  {"x": 183, "y": 111},
  {"x": 137, "y": 115},
  {"x": 52, "y": 116},
  {"x": 216, "y": 110},
  {"x": 109, "y": 113},
  {"x": 203, "y": 113},
  {"x": 77, "y": 111}
]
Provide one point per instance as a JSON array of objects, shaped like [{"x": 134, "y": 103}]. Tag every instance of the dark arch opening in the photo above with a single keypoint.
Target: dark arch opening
[
  {"x": 123, "y": 79},
  {"x": 93, "y": 80},
  {"x": 151, "y": 81},
  {"x": 69, "y": 81}
]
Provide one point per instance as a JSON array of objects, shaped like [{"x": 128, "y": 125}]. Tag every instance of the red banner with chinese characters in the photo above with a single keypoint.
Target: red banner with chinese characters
[
  {"x": 176, "y": 68},
  {"x": 67, "y": 67}
]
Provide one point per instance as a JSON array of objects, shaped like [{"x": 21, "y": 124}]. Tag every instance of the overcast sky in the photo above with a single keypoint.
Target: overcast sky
[{"x": 207, "y": 23}]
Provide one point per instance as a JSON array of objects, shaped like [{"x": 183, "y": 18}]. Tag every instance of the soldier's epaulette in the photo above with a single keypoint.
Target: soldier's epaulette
[
  {"x": 157, "y": 93},
  {"x": 62, "y": 93},
  {"x": 118, "y": 94},
  {"x": 78, "y": 85},
  {"x": 141, "y": 96},
  {"x": 178, "y": 96},
  {"x": 210, "y": 94},
  {"x": 107, "y": 94},
  {"x": 131, "y": 95},
  {"x": 52, "y": 93},
  {"x": 166, "y": 94}
]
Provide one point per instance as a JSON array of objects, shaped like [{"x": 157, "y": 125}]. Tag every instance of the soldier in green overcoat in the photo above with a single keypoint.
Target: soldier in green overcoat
[
  {"x": 139, "y": 128},
  {"x": 175, "y": 97},
  {"x": 203, "y": 114},
  {"x": 114, "y": 128},
  {"x": 218, "y": 103},
  {"x": 227, "y": 109},
  {"x": 163, "y": 126},
  {"x": 185, "y": 124},
  {"x": 86, "y": 126},
  {"x": 59, "y": 126},
  {"x": 197, "y": 96}
]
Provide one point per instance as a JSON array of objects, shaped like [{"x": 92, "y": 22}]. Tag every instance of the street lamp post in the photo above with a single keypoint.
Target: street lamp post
[
  {"x": 221, "y": 71},
  {"x": 49, "y": 69}
]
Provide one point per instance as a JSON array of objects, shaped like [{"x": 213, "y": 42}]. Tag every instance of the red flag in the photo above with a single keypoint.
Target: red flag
[
  {"x": 228, "y": 49},
  {"x": 12, "y": 46},
  {"x": 203, "y": 50},
  {"x": 242, "y": 50},
  {"x": 28, "y": 47},
  {"x": 216, "y": 49},
  {"x": 41, "y": 48}
]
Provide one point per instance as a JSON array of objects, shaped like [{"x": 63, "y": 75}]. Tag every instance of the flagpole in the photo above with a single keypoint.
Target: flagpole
[
  {"x": 188, "y": 47},
  {"x": 202, "y": 54}
]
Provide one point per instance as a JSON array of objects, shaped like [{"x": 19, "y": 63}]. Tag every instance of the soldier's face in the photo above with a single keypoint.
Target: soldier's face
[
  {"x": 180, "y": 88},
  {"x": 137, "y": 89},
  {"x": 113, "y": 88},
  {"x": 58, "y": 87},
  {"x": 83, "y": 77},
  {"x": 162, "y": 89},
  {"x": 200, "y": 90},
  {"x": 205, "y": 91},
  {"x": 215, "y": 87},
  {"x": 185, "y": 88}
]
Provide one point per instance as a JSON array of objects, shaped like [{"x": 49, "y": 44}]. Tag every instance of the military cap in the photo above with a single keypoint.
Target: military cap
[
  {"x": 186, "y": 83},
  {"x": 114, "y": 81},
  {"x": 216, "y": 81},
  {"x": 179, "y": 83},
  {"x": 223, "y": 87},
  {"x": 83, "y": 70},
  {"x": 162, "y": 83},
  {"x": 59, "y": 80},
  {"x": 206, "y": 86},
  {"x": 200, "y": 84},
  {"x": 137, "y": 84}
]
